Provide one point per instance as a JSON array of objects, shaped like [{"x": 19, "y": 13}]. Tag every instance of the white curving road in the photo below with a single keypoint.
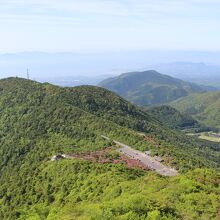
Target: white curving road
[{"x": 147, "y": 160}]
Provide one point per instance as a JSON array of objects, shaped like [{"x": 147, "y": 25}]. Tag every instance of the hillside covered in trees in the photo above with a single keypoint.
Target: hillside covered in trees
[
  {"x": 174, "y": 118},
  {"x": 150, "y": 87},
  {"x": 38, "y": 121},
  {"x": 203, "y": 107}
]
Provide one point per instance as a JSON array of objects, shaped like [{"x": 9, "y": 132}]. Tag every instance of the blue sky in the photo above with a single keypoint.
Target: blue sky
[{"x": 99, "y": 25}]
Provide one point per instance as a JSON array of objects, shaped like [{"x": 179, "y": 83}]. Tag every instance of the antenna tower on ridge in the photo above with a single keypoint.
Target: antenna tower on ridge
[{"x": 28, "y": 73}]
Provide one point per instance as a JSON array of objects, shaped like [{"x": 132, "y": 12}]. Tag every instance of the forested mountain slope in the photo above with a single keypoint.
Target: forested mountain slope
[
  {"x": 203, "y": 107},
  {"x": 150, "y": 87},
  {"x": 173, "y": 118},
  {"x": 40, "y": 120}
]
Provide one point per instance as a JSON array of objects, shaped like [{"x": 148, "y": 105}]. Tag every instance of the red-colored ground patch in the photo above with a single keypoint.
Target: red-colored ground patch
[
  {"x": 132, "y": 163},
  {"x": 109, "y": 155}
]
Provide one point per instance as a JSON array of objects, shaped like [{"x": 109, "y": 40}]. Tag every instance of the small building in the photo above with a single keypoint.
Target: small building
[
  {"x": 214, "y": 135},
  {"x": 147, "y": 153},
  {"x": 57, "y": 157},
  {"x": 159, "y": 159}
]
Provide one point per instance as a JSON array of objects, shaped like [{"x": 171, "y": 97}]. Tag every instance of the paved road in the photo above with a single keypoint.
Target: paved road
[{"x": 148, "y": 161}]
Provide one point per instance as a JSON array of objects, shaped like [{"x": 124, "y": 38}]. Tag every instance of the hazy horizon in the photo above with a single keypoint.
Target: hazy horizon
[
  {"x": 47, "y": 65},
  {"x": 95, "y": 38}
]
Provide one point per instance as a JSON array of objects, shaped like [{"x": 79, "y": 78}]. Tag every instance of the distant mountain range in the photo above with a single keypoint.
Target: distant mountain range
[
  {"x": 200, "y": 73},
  {"x": 151, "y": 88},
  {"x": 66, "y": 68}
]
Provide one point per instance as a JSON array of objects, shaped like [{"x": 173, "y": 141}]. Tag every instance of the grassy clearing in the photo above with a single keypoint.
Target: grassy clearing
[{"x": 209, "y": 136}]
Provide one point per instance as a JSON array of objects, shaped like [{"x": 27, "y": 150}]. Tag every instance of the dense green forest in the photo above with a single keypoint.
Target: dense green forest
[
  {"x": 203, "y": 107},
  {"x": 84, "y": 190},
  {"x": 38, "y": 121},
  {"x": 150, "y": 87},
  {"x": 174, "y": 118}
]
